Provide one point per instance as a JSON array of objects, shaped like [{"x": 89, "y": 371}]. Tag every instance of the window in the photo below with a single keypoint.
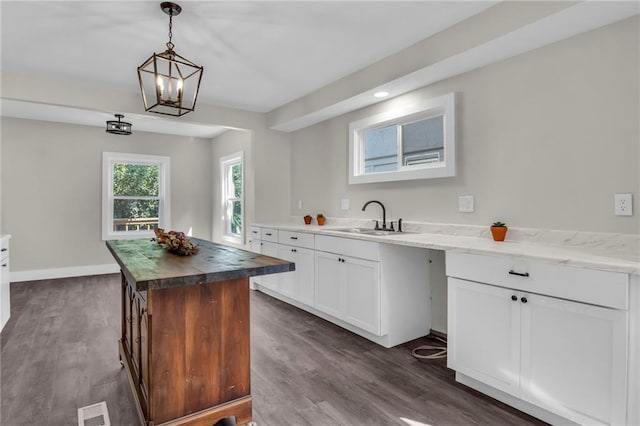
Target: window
[
  {"x": 231, "y": 170},
  {"x": 416, "y": 142},
  {"x": 135, "y": 195}
]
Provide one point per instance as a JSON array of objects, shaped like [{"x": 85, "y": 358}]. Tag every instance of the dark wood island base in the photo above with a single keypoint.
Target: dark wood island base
[{"x": 185, "y": 341}]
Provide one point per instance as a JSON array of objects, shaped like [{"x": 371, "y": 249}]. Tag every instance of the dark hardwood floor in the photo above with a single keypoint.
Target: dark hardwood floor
[{"x": 59, "y": 353}]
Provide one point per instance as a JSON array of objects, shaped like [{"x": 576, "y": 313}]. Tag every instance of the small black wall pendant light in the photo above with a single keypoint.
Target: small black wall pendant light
[
  {"x": 169, "y": 82},
  {"x": 118, "y": 127}
]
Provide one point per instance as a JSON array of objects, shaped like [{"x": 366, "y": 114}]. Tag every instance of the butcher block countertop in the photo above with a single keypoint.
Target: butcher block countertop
[{"x": 148, "y": 266}]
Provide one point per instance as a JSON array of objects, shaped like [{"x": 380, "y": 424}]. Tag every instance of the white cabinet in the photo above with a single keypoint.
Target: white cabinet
[
  {"x": 329, "y": 284},
  {"x": 378, "y": 291},
  {"x": 269, "y": 281},
  {"x": 298, "y": 247},
  {"x": 348, "y": 287},
  {"x": 566, "y": 357},
  {"x": 5, "y": 285},
  {"x": 484, "y": 334},
  {"x": 574, "y": 359}
]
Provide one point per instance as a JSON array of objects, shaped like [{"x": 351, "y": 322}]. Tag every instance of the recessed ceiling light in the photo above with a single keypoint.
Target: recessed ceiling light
[{"x": 381, "y": 94}]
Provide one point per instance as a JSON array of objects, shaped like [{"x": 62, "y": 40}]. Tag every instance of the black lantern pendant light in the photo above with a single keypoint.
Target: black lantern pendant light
[
  {"x": 118, "y": 127},
  {"x": 169, "y": 82}
]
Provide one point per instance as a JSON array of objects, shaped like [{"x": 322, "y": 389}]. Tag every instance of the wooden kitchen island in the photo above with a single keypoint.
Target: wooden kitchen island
[{"x": 185, "y": 330}]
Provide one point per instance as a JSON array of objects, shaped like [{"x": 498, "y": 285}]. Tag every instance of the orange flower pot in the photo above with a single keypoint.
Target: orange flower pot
[
  {"x": 307, "y": 220},
  {"x": 499, "y": 233},
  {"x": 321, "y": 220}
]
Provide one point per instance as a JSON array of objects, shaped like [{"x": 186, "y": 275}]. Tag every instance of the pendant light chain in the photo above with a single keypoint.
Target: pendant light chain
[{"x": 170, "y": 45}]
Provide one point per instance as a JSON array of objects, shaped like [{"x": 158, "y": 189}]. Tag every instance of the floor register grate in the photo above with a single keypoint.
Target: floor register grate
[{"x": 94, "y": 415}]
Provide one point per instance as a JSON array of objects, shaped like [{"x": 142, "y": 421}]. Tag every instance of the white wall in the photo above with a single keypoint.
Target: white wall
[
  {"x": 545, "y": 139},
  {"x": 52, "y": 183}
]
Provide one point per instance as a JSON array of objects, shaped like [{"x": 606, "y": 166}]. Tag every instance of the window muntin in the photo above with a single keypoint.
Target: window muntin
[
  {"x": 414, "y": 142},
  {"x": 135, "y": 195},
  {"x": 390, "y": 148},
  {"x": 231, "y": 169}
]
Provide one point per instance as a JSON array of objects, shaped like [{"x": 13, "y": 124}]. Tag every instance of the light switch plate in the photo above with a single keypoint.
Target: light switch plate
[
  {"x": 299, "y": 204},
  {"x": 465, "y": 204},
  {"x": 344, "y": 204},
  {"x": 623, "y": 204}
]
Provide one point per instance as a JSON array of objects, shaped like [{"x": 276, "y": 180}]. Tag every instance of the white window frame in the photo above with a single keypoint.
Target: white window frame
[
  {"x": 226, "y": 210},
  {"x": 109, "y": 159},
  {"x": 443, "y": 105}
]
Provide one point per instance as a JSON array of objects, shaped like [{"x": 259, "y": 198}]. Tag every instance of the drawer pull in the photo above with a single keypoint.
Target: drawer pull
[
  {"x": 4, "y": 265},
  {"x": 294, "y": 238},
  {"x": 293, "y": 250},
  {"x": 523, "y": 300},
  {"x": 4, "y": 249},
  {"x": 268, "y": 234},
  {"x": 520, "y": 274},
  {"x": 514, "y": 298},
  {"x": 255, "y": 232}
]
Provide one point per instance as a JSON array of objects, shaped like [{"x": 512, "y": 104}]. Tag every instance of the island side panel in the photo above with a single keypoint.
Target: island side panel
[
  {"x": 167, "y": 378},
  {"x": 200, "y": 348},
  {"x": 217, "y": 343}
]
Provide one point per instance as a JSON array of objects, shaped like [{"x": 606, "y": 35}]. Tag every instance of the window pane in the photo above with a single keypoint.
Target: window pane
[
  {"x": 423, "y": 141},
  {"x": 236, "y": 173},
  {"x": 236, "y": 220},
  {"x": 135, "y": 215},
  {"x": 135, "y": 180},
  {"x": 381, "y": 149}
]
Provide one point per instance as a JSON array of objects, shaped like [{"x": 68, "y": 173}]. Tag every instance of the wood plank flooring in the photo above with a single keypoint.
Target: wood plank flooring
[{"x": 58, "y": 352}]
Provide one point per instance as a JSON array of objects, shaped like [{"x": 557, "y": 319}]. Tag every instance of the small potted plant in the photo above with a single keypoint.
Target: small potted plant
[
  {"x": 499, "y": 231},
  {"x": 320, "y": 218},
  {"x": 307, "y": 219}
]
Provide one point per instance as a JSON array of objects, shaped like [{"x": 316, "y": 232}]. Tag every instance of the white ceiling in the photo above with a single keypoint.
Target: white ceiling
[{"x": 256, "y": 55}]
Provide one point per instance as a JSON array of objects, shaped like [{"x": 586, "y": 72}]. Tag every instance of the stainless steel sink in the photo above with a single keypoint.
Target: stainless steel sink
[{"x": 369, "y": 231}]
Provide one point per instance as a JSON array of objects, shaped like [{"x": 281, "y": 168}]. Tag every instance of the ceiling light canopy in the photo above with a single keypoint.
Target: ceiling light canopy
[
  {"x": 381, "y": 94},
  {"x": 118, "y": 127},
  {"x": 169, "y": 82}
]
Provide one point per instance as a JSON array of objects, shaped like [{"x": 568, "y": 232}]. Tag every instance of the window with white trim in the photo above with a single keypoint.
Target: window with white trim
[
  {"x": 231, "y": 177},
  {"x": 135, "y": 195},
  {"x": 416, "y": 141}
]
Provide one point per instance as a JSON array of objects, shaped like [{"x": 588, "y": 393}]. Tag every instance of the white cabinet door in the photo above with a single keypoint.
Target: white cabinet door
[
  {"x": 362, "y": 289},
  {"x": 298, "y": 284},
  {"x": 329, "y": 296},
  {"x": 484, "y": 333},
  {"x": 574, "y": 359},
  {"x": 305, "y": 271},
  {"x": 270, "y": 281},
  {"x": 288, "y": 284}
]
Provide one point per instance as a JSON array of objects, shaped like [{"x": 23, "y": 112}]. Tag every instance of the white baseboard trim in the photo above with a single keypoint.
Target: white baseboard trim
[{"x": 73, "y": 271}]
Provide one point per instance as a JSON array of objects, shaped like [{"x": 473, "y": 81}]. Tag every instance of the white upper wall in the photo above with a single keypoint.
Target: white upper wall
[{"x": 545, "y": 139}]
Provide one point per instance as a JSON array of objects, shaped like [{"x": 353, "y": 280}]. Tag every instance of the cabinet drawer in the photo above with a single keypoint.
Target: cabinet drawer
[
  {"x": 255, "y": 233},
  {"x": 602, "y": 288},
  {"x": 269, "y": 234},
  {"x": 298, "y": 239},
  {"x": 348, "y": 247},
  {"x": 4, "y": 248}
]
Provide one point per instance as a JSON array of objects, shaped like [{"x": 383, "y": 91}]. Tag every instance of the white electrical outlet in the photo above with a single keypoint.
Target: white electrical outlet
[
  {"x": 465, "y": 204},
  {"x": 623, "y": 204},
  {"x": 344, "y": 204}
]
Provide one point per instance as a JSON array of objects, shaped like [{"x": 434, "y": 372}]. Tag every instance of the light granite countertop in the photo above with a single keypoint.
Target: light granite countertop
[{"x": 601, "y": 251}]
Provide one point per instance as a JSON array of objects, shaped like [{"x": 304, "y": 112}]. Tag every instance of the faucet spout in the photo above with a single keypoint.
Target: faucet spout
[{"x": 384, "y": 212}]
